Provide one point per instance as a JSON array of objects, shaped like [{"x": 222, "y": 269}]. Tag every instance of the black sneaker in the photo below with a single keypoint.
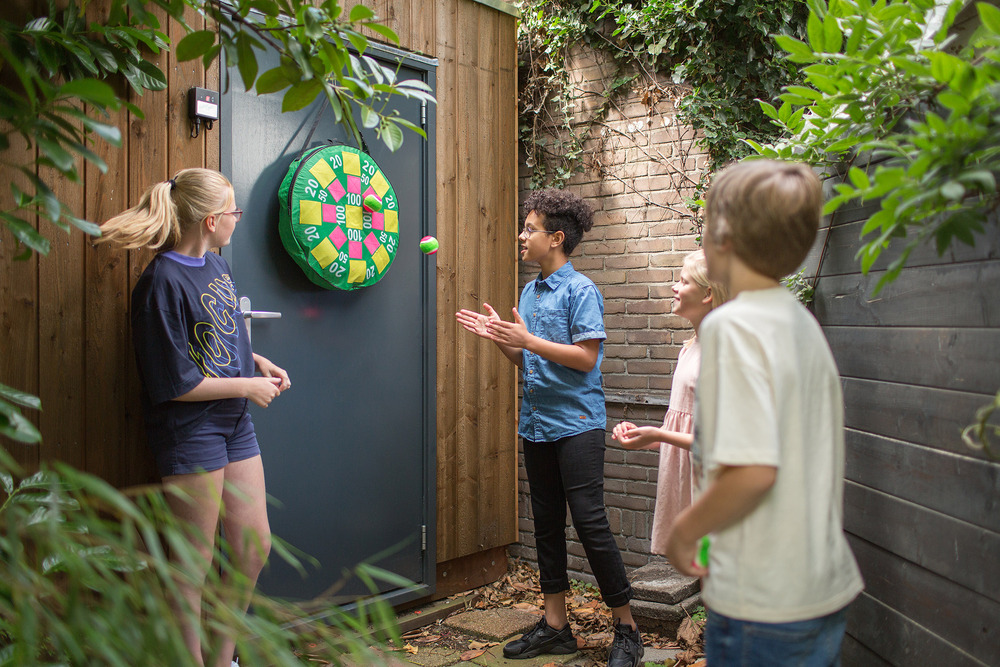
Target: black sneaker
[
  {"x": 626, "y": 649},
  {"x": 541, "y": 639}
]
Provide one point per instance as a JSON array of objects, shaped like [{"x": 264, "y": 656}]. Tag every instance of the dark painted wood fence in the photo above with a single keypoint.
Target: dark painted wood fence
[{"x": 922, "y": 510}]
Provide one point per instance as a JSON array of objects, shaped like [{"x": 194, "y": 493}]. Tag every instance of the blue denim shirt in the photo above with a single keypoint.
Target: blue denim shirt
[{"x": 560, "y": 401}]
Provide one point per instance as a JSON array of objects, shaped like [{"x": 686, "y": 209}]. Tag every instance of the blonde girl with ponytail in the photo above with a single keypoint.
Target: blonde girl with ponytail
[
  {"x": 694, "y": 297},
  {"x": 198, "y": 377}
]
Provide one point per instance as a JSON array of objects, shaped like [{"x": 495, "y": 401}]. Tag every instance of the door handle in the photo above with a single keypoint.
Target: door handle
[{"x": 250, "y": 314}]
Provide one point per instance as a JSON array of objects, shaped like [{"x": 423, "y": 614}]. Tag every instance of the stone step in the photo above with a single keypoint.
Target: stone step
[{"x": 663, "y": 597}]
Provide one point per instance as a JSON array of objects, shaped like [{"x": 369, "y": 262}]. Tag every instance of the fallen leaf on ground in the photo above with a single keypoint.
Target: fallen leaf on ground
[
  {"x": 477, "y": 645},
  {"x": 470, "y": 655}
]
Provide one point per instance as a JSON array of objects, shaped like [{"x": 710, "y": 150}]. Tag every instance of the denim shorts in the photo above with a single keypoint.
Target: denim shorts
[
  {"x": 225, "y": 437},
  {"x": 812, "y": 643}
]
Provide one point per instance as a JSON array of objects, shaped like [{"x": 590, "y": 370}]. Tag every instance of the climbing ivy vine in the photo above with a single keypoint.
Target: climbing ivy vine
[{"x": 717, "y": 56}]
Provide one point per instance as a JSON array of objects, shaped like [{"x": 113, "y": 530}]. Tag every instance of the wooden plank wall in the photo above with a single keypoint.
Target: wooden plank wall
[
  {"x": 66, "y": 315},
  {"x": 922, "y": 510},
  {"x": 68, "y": 311}
]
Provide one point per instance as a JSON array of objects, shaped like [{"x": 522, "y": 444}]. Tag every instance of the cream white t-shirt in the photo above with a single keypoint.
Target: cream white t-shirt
[{"x": 769, "y": 394}]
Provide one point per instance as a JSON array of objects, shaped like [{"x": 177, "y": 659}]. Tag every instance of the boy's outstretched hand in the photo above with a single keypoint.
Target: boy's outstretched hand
[
  {"x": 478, "y": 323},
  {"x": 513, "y": 334}
]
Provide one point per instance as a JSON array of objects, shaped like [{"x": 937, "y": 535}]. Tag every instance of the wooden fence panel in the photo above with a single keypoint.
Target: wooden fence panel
[
  {"x": 18, "y": 314},
  {"x": 61, "y": 310},
  {"x": 955, "y": 549},
  {"x": 921, "y": 415},
  {"x": 476, "y": 420},
  {"x": 921, "y": 508},
  {"x": 952, "y": 614}
]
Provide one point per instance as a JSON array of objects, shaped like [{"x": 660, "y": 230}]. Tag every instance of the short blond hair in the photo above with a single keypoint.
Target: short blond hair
[
  {"x": 167, "y": 209},
  {"x": 769, "y": 210}
]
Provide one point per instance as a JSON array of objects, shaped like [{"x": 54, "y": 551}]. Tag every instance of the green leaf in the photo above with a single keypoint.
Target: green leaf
[
  {"x": 360, "y": 13},
  {"x": 858, "y": 30},
  {"x": 391, "y": 135},
  {"x": 953, "y": 190},
  {"x": 859, "y": 178},
  {"x": 90, "y": 90},
  {"x": 990, "y": 16},
  {"x": 272, "y": 81},
  {"x": 194, "y": 45},
  {"x": 411, "y": 126},
  {"x": 25, "y": 233},
  {"x": 358, "y": 41},
  {"x": 385, "y": 31},
  {"x": 61, "y": 158},
  {"x": 942, "y": 66},
  {"x": 85, "y": 226},
  {"x": 984, "y": 179},
  {"x": 247, "y": 60},
  {"x": 955, "y": 102},
  {"x": 19, "y": 397},
  {"x": 301, "y": 95},
  {"x": 816, "y": 33},
  {"x": 768, "y": 109},
  {"x": 15, "y": 426},
  {"x": 369, "y": 118},
  {"x": 833, "y": 38},
  {"x": 798, "y": 50}
]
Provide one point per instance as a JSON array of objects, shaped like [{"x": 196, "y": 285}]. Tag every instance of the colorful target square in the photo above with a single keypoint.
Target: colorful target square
[
  {"x": 324, "y": 253},
  {"x": 310, "y": 212},
  {"x": 381, "y": 258},
  {"x": 356, "y": 272},
  {"x": 378, "y": 221},
  {"x": 392, "y": 221},
  {"x": 352, "y": 163},
  {"x": 379, "y": 184},
  {"x": 354, "y": 216},
  {"x": 354, "y": 184},
  {"x": 337, "y": 190},
  {"x": 337, "y": 237},
  {"x": 371, "y": 243},
  {"x": 354, "y": 250},
  {"x": 323, "y": 173},
  {"x": 329, "y": 213}
]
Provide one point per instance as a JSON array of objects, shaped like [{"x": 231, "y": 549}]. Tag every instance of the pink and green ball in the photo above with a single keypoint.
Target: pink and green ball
[
  {"x": 372, "y": 203},
  {"x": 428, "y": 245}
]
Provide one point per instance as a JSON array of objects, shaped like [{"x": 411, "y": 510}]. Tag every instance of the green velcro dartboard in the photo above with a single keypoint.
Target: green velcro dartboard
[{"x": 339, "y": 217}]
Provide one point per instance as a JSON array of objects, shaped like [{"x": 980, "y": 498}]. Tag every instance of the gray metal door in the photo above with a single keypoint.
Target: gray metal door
[{"x": 349, "y": 450}]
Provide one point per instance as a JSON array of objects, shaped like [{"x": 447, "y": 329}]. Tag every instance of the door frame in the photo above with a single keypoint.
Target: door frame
[{"x": 427, "y": 67}]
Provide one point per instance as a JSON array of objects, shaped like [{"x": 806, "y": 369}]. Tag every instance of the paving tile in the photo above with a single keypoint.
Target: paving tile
[
  {"x": 431, "y": 656},
  {"x": 493, "y": 624}
]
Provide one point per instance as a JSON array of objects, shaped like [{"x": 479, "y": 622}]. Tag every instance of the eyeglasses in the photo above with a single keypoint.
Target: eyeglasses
[
  {"x": 237, "y": 213},
  {"x": 528, "y": 231}
]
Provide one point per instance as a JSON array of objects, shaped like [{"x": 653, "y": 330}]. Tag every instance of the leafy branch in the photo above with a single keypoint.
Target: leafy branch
[
  {"x": 719, "y": 52},
  {"x": 881, "y": 88},
  {"x": 61, "y": 74}
]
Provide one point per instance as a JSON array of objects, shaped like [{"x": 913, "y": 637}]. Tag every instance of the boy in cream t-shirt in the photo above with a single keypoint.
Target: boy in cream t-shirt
[{"x": 768, "y": 436}]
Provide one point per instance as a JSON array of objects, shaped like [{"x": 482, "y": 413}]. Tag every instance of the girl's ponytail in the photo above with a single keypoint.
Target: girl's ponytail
[{"x": 167, "y": 209}]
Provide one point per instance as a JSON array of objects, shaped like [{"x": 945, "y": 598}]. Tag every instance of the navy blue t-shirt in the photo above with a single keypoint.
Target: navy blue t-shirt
[{"x": 186, "y": 326}]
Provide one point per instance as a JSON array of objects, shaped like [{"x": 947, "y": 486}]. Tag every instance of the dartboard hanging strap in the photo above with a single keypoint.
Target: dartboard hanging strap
[{"x": 319, "y": 115}]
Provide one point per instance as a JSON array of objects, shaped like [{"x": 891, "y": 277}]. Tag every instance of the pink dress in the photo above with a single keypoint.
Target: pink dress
[{"x": 674, "y": 482}]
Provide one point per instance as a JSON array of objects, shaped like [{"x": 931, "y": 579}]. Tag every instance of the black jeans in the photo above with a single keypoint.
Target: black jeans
[{"x": 571, "y": 470}]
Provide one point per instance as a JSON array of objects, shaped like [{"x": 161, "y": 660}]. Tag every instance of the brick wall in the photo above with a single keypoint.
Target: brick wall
[{"x": 641, "y": 165}]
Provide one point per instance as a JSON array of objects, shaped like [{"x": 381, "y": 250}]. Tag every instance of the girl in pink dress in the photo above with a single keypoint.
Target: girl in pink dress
[{"x": 694, "y": 298}]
